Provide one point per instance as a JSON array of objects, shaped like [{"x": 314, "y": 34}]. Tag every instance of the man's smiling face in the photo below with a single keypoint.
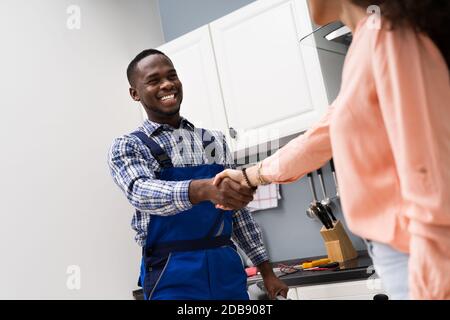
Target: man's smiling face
[{"x": 156, "y": 85}]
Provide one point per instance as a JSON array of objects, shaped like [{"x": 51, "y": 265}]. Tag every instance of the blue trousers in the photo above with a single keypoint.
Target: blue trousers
[{"x": 391, "y": 267}]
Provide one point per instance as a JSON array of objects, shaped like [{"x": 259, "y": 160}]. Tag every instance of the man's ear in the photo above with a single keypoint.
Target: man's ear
[{"x": 134, "y": 94}]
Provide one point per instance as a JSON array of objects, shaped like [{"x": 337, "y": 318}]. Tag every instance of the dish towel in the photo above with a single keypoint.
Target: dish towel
[{"x": 266, "y": 197}]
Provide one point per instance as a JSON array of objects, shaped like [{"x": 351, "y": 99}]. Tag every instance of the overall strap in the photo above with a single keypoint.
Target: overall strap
[
  {"x": 220, "y": 215},
  {"x": 157, "y": 152},
  {"x": 217, "y": 222},
  {"x": 189, "y": 245}
]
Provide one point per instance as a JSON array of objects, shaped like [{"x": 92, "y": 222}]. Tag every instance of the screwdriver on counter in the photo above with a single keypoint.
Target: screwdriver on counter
[
  {"x": 321, "y": 264},
  {"x": 314, "y": 263},
  {"x": 323, "y": 267}
]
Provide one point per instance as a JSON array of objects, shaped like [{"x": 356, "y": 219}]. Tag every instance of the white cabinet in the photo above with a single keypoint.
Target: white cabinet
[
  {"x": 272, "y": 86},
  {"x": 193, "y": 58},
  {"x": 364, "y": 289},
  {"x": 248, "y": 71},
  {"x": 292, "y": 294},
  {"x": 348, "y": 290}
]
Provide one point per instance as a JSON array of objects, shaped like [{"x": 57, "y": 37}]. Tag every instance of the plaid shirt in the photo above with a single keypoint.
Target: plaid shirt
[{"x": 133, "y": 169}]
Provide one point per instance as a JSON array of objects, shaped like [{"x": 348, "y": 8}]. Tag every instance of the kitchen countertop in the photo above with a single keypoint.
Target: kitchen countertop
[{"x": 350, "y": 270}]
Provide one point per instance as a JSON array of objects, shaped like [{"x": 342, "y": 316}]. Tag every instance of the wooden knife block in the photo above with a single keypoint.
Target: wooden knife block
[{"x": 338, "y": 244}]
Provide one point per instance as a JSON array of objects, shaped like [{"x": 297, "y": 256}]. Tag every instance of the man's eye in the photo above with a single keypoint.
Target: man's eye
[
  {"x": 153, "y": 81},
  {"x": 173, "y": 76}
]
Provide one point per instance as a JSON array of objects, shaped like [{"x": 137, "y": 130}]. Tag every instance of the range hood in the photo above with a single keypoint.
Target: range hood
[
  {"x": 335, "y": 37},
  {"x": 341, "y": 35}
]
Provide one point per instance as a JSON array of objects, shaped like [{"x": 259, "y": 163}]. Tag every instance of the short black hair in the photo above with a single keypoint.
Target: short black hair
[{"x": 132, "y": 65}]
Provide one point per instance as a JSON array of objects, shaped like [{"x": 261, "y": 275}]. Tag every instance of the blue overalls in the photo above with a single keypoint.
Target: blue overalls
[{"x": 189, "y": 255}]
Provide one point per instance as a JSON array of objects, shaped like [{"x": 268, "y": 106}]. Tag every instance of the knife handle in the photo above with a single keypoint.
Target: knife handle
[
  {"x": 332, "y": 165},
  {"x": 329, "y": 265}
]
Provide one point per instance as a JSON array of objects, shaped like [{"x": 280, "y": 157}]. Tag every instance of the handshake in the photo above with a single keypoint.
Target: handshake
[{"x": 228, "y": 190}]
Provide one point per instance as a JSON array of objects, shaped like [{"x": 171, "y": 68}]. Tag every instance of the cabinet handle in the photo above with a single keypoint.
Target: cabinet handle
[{"x": 233, "y": 133}]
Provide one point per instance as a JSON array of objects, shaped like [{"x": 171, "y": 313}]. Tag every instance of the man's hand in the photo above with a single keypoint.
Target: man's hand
[
  {"x": 274, "y": 286},
  {"x": 228, "y": 194},
  {"x": 235, "y": 175}
]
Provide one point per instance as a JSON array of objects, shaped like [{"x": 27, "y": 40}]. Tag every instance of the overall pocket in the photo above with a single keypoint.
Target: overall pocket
[{"x": 155, "y": 267}]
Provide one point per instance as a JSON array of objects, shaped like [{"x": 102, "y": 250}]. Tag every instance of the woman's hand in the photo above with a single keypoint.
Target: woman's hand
[{"x": 235, "y": 175}]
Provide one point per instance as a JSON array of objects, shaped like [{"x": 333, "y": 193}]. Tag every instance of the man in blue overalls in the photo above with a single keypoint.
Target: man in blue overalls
[{"x": 166, "y": 169}]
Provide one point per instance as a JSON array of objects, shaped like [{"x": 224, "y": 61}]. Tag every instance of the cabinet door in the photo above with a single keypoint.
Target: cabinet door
[
  {"x": 193, "y": 58},
  {"x": 272, "y": 86},
  {"x": 292, "y": 294},
  {"x": 347, "y": 290}
]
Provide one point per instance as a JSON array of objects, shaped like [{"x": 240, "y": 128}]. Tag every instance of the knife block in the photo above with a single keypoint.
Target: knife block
[{"x": 338, "y": 244}]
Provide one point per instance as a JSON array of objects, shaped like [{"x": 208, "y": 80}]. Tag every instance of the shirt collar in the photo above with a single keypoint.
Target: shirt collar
[{"x": 152, "y": 128}]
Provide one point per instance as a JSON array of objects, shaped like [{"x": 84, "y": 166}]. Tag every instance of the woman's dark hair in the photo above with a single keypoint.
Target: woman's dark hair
[{"x": 428, "y": 16}]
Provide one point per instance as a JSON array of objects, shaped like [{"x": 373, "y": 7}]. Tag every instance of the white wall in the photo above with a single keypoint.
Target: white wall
[{"x": 63, "y": 98}]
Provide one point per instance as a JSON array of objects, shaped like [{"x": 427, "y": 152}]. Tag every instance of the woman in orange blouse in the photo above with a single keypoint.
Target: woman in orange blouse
[{"x": 388, "y": 132}]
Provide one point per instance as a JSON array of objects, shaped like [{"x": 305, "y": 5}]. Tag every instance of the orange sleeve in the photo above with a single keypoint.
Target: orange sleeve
[
  {"x": 301, "y": 155},
  {"x": 412, "y": 84}
]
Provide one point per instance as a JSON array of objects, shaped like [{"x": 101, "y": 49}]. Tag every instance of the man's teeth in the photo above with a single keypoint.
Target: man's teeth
[{"x": 168, "y": 97}]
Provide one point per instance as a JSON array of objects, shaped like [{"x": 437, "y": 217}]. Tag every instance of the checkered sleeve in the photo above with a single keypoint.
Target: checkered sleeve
[
  {"x": 246, "y": 232},
  {"x": 132, "y": 173},
  {"x": 248, "y": 236}
]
